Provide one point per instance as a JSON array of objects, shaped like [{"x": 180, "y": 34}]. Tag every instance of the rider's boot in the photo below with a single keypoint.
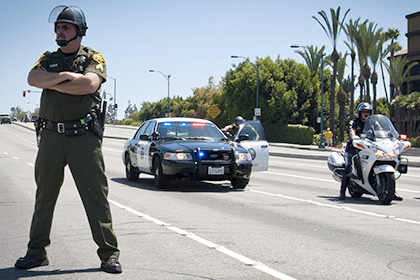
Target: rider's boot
[{"x": 343, "y": 188}]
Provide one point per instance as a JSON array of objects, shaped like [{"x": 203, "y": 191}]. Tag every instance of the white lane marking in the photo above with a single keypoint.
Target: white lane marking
[
  {"x": 298, "y": 176},
  {"x": 337, "y": 207},
  {"x": 320, "y": 179},
  {"x": 209, "y": 244}
]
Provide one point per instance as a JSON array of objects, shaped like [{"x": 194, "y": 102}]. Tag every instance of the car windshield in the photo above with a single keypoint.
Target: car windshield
[
  {"x": 379, "y": 126},
  {"x": 189, "y": 130}
]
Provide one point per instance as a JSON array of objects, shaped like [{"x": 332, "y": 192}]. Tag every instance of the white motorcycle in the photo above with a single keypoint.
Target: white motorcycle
[{"x": 377, "y": 160}]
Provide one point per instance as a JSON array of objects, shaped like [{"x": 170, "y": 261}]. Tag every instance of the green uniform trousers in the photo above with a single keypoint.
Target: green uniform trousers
[{"x": 84, "y": 156}]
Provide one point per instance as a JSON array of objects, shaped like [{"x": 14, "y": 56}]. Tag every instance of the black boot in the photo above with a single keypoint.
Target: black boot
[
  {"x": 342, "y": 195},
  {"x": 343, "y": 188}
]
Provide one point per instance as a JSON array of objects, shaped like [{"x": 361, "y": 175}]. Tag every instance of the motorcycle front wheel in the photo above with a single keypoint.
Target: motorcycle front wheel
[{"x": 386, "y": 187}]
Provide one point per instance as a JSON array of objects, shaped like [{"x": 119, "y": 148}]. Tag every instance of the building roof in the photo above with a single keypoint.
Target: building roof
[{"x": 403, "y": 52}]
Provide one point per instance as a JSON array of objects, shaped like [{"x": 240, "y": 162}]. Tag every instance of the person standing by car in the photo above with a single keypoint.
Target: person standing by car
[
  {"x": 70, "y": 134},
  {"x": 232, "y": 128}
]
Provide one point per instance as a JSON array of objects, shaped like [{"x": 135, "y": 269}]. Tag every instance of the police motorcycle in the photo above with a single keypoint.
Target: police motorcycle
[{"x": 377, "y": 162}]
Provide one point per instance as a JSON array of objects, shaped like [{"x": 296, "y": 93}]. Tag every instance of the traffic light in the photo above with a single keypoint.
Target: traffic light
[
  {"x": 115, "y": 107},
  {"x": 24, "y": 93}
]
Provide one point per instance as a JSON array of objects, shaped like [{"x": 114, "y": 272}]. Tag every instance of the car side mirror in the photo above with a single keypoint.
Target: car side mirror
[
  {"x": 243, "y": 137},
  {"x": 154, "y": 135},
  {"x": 144, "y": 137}
]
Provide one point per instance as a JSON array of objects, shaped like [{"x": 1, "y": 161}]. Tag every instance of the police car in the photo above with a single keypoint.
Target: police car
[{"x": 195, "y": 149}]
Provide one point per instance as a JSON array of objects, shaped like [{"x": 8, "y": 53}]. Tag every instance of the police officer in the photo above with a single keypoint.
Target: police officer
[
  {"x": 71, "y": 79},
  {"x": 357, "y": 125},
  {"x": 232, "y": 128},
  {"x": 364, "y": 110}
]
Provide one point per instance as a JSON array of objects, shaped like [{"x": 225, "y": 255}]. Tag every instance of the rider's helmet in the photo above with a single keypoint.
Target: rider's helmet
[
  {"x": 364, "y": 106},
  {"x": 70, "y": 14},
  {"x": 239, "y": 120}
]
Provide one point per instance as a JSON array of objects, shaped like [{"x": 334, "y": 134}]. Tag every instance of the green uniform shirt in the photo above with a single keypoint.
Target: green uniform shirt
[{"x": 60, "y": 107}]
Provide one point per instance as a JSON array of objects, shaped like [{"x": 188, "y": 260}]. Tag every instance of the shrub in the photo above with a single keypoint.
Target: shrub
[
  {"x": 415, "y": 142},
  {"x": 292, "y": 133}
]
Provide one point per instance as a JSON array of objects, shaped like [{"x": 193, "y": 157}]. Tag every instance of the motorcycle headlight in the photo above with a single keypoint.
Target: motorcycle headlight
[
  {"x": 380, "y": 154},
  {"x": 242, "y": 156},
  {"x": 178, "y": 156}
]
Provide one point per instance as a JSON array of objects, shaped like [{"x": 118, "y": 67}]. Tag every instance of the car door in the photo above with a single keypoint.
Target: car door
[
  {"x": 133, "y": 144},
  {"x": 256, "y": 144},
  {"x": 143, "y": 148}
]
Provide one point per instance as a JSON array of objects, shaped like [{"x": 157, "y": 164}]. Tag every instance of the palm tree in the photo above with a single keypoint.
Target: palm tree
[
  {"x": 391, "y": 34},
  {"x": 350, "y": 43},
  {"x": 375, "y": 52},
  {"x": 312, "y": 57},
  {"x": 342, "y": 95},
  {"x": 332, "y": 29},
  {"x": 398, "y": 70},
  {"x": 365, "y": 38}
]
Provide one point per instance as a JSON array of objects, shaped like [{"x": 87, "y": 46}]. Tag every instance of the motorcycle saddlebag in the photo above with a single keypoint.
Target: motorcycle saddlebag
[{"x": 335, "y": 160}]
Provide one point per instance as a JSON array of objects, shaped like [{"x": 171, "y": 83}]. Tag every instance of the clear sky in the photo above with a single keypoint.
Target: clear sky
[{"x": 190, "y": 40}]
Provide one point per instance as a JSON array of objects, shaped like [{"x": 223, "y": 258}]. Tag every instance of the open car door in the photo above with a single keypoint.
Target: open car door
[{"x": 257, "y": 144}]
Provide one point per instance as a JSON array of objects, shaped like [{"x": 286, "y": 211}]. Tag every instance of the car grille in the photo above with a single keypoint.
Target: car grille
[{"x": 215, "y": 156}]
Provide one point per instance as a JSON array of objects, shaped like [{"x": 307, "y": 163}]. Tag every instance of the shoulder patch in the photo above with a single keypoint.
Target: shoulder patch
[
  {"x": 42, "y": 58},
  {"x": 98, "y": 58}
]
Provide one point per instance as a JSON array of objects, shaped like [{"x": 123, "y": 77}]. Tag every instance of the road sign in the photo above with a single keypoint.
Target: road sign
[
  {"x": 213, "y": 111},
  {"x": 257, "y": 112}
]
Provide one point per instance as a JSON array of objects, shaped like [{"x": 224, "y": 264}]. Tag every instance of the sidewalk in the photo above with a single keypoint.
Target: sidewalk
[{"x": 276, "y": 149}]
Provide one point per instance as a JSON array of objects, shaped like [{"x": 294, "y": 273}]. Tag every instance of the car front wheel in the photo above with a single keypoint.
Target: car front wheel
[
  {"x": 239, "y": 183},
  {"x": 162, "y": 181}
]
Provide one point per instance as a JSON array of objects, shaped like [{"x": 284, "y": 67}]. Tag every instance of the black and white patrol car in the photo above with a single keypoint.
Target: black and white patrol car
[{"x": 196, "y": 149}]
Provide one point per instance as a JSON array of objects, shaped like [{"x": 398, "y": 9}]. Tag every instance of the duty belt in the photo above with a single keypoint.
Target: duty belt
[{"x": 69, "y": 128}]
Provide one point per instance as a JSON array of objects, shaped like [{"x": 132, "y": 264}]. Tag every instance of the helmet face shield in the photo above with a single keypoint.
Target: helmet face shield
[{"x": 69, "y": 14}]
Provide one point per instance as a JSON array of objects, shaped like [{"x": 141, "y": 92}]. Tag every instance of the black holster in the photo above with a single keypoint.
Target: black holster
[{"x": 96, "y": 126}]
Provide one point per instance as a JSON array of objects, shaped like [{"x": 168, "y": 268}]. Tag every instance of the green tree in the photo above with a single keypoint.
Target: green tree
[
  {"x": 375, "y": 54},
  {"x": 341, "y": 95},
  {"x": 390, "y": 34},
  {"x": 18, "y": 113},
  {"x": 312, "y": 57},
  {"x": 287, "y": 93},
  {"x": 196, "y": 106},
  {"x": 351, "y": 44},
  {"x": 398, "y": 70},
  {"x": 332, "y": 28},
  {"x": 411, "y": 103},
  {"x": 109, "y": 114},
  {"x": 131, "y": 108}
]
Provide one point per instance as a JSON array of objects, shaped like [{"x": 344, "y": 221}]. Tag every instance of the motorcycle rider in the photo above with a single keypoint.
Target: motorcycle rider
[{"x": 357, "y": 125}]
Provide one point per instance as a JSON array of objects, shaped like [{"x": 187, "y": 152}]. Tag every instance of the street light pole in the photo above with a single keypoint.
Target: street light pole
[
  {"x": 168, "y": 78},
  {"x": 257, "y": 111},
  {"x": 321, "y": 142},
  {"x": 115, "y": 96}
]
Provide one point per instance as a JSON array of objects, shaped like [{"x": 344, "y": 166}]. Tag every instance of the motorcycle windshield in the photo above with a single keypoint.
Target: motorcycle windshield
[{"x": 379, "y": 126}]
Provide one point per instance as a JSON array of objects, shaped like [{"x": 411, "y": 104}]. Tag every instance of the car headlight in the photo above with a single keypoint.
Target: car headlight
[
  {"x": 178, "y": 156},
  {"x": 242, "y": 156},
  {"x": 380, "y": 154}
]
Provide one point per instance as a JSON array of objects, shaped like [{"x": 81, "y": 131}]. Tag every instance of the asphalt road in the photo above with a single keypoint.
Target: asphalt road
[{"x": 286, "y": 224}]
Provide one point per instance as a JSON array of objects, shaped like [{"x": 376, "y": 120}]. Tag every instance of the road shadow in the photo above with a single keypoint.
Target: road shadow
[
  {"x": 179, "y": 185},
  {"x": 11, "y": 273},
  {"x": 364, "y": 200}
]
